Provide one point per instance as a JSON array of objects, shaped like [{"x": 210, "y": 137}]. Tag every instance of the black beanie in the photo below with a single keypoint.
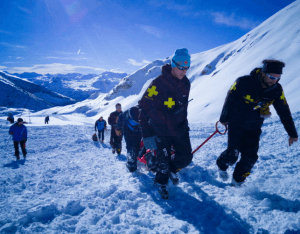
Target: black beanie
[
  {"x": 20, "y": 120},
  {"x": 272, "y": 67}
]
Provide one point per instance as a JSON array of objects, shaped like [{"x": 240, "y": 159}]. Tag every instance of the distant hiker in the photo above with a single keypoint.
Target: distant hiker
[
  {"x": 100, "y": 124},
  {"x": 10, "y": 118},
  {"x": 164, "y": 121},
  {"x": 128, "y": 125},
  {"x": 115, "y": 140},
  {"x": 19, "y": 132},
  {"x": 46, "y": 119},
  {"x": 245, "y": 108}
]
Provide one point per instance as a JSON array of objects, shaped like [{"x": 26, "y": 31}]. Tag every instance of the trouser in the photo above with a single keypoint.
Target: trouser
[
  {"x": 116, "y": 141},
  {"x": 241, "y": 141},
  {"x": 23, "y": 148},
  {"x": 46, "y": 121},
  {"x": 101, "y": 133},
  {"x": 183, "y": 156},
  {"x": 133, "y": 140}
]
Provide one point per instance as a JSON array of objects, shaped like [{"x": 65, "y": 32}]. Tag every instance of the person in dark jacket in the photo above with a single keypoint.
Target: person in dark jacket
[
  {"x": 115, "y": 140},
  {"x": 128, "y": 125},
  {"x": 47, "y": 119},
  {"x": 245, "y": 108},
  {"x": 10, "y": 118},
  {"x": 163, "y": 119},
  {"x": 19, "y": 132},
  {"x": 100, "y": 124}
]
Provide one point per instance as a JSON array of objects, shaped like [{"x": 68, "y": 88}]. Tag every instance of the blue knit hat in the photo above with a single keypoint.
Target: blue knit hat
[{"x": 182, "y": 58}]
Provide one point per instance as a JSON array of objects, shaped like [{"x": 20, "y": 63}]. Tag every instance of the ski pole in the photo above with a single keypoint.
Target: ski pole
[{"x": 217, "y": 131}]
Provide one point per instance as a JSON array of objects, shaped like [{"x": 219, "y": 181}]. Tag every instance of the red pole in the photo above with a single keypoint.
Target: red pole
[{"x": 217, "y": 131}]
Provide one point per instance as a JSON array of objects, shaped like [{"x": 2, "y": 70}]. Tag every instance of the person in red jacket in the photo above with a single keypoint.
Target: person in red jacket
[
  {"x": 245, "y": 108},
  {"x": 115, "y": 140},
  {"x": 163, "y": 119}
]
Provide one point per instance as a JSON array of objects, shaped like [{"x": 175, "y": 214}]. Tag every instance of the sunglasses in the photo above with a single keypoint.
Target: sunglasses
[
  {"x": 118, "y": 107},
  {"x": 182, "y": 68},
  {"x": 272, "y": 77}
]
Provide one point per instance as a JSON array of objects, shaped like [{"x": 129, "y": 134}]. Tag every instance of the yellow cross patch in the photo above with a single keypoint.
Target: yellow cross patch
[
  {"x": 233, "y": 86},
  {"x": 169, "y": 103},
  {"x": 248, "y": 97},
  {"x": 152, "y": 91},
  {"x": 282, "y": 97}
]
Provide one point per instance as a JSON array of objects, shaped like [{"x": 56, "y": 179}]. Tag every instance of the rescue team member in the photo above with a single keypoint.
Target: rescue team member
[
  {"x": 245, "y": 108},
  {"x": 163, "y": 119}
]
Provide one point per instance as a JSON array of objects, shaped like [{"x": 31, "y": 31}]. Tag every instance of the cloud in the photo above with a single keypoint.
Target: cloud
[
  {"x": 78, "y": 51},
  {"x": 234, "y": 21},
  {"x": 138, "y": 64},
  {"x": 11, "y": 45},
  {"x": 149, "y": 29},
  {"x": 66, "y": 58},
  {"x": 55, "y": 68},
  {"x": 2, "y": 67},
  {"x": 172, "y": 5},
  {"x": 24, "y": 10},
  {"x": 5, "y": 32}
]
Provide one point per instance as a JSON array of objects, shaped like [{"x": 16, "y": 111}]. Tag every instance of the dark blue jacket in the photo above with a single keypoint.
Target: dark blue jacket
[
  {"x": 100, "y": 125},
  {"x": 131, "y": 121},
  {"x": 19, "y": 132}
]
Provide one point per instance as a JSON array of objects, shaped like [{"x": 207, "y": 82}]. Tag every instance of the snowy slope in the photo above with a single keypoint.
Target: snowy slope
[
  {"x": 213, "y": 72},
  {"x": 69, "y": 184},
  {"x": 19, "y": 93},
  {"x": 76, "y": 85}
]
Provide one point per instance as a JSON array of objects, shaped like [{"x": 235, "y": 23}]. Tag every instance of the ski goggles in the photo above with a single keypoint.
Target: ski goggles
[
  {"x": 272, "y": 77},
  {"x": 118, "y": 107},
  {"x": 182, "y": 68}
]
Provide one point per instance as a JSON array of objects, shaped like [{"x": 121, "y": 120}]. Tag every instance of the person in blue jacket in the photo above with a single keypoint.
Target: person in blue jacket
[
  {"x": 128, "y": 125},
  {"x": 19, "y": 132},
  {"x": 100, "y": 124}
]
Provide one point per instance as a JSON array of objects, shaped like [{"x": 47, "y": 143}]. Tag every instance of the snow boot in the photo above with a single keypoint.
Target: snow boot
[
  {"x": 113, "y": 151},
  {"x": 131, "y": 162},
  {"x": 119, "y": 151},
  {"x": 174, "y": 178},
  {"x": 151, "y": 160},
  {"x": 163, "y": 190},
  {"x": 236, "y": 184},
  {"x": 223, "y": 175}
]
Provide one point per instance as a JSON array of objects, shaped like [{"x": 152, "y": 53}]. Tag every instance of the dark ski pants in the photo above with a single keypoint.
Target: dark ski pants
[
  {"x": 183, "y": 155},
  {"x": 133, "y": 140},
  {"x": 241, "y": 141},
  {"x": 23, "y": 148},
  {"x": 116, "y": 141},
  {"x": 101, "y": 133}
]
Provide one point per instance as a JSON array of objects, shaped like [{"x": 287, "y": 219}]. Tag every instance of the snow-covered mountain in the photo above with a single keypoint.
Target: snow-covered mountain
[
  {"x": 19, "y": 93},
  {"x": 75, "y": 85},
  {"x": 213, "y": 72}
]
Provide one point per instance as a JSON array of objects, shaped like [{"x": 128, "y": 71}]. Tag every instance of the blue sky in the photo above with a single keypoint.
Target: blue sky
[{"x": 92, "y": 36}]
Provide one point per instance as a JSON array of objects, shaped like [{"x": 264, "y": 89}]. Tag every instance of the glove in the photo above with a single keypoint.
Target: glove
[{"x": 150, "y": 142}]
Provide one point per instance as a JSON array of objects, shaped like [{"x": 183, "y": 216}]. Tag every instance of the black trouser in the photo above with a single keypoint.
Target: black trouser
[
  {"x": 101, "y": 132},
  {"x": 183, "y": 155},
  {"x": 133, "y": 140},
  {"x": 241, "y": 141},
  {"x": 23, "y": 147},
  {"x": 116, "y": 141}
]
